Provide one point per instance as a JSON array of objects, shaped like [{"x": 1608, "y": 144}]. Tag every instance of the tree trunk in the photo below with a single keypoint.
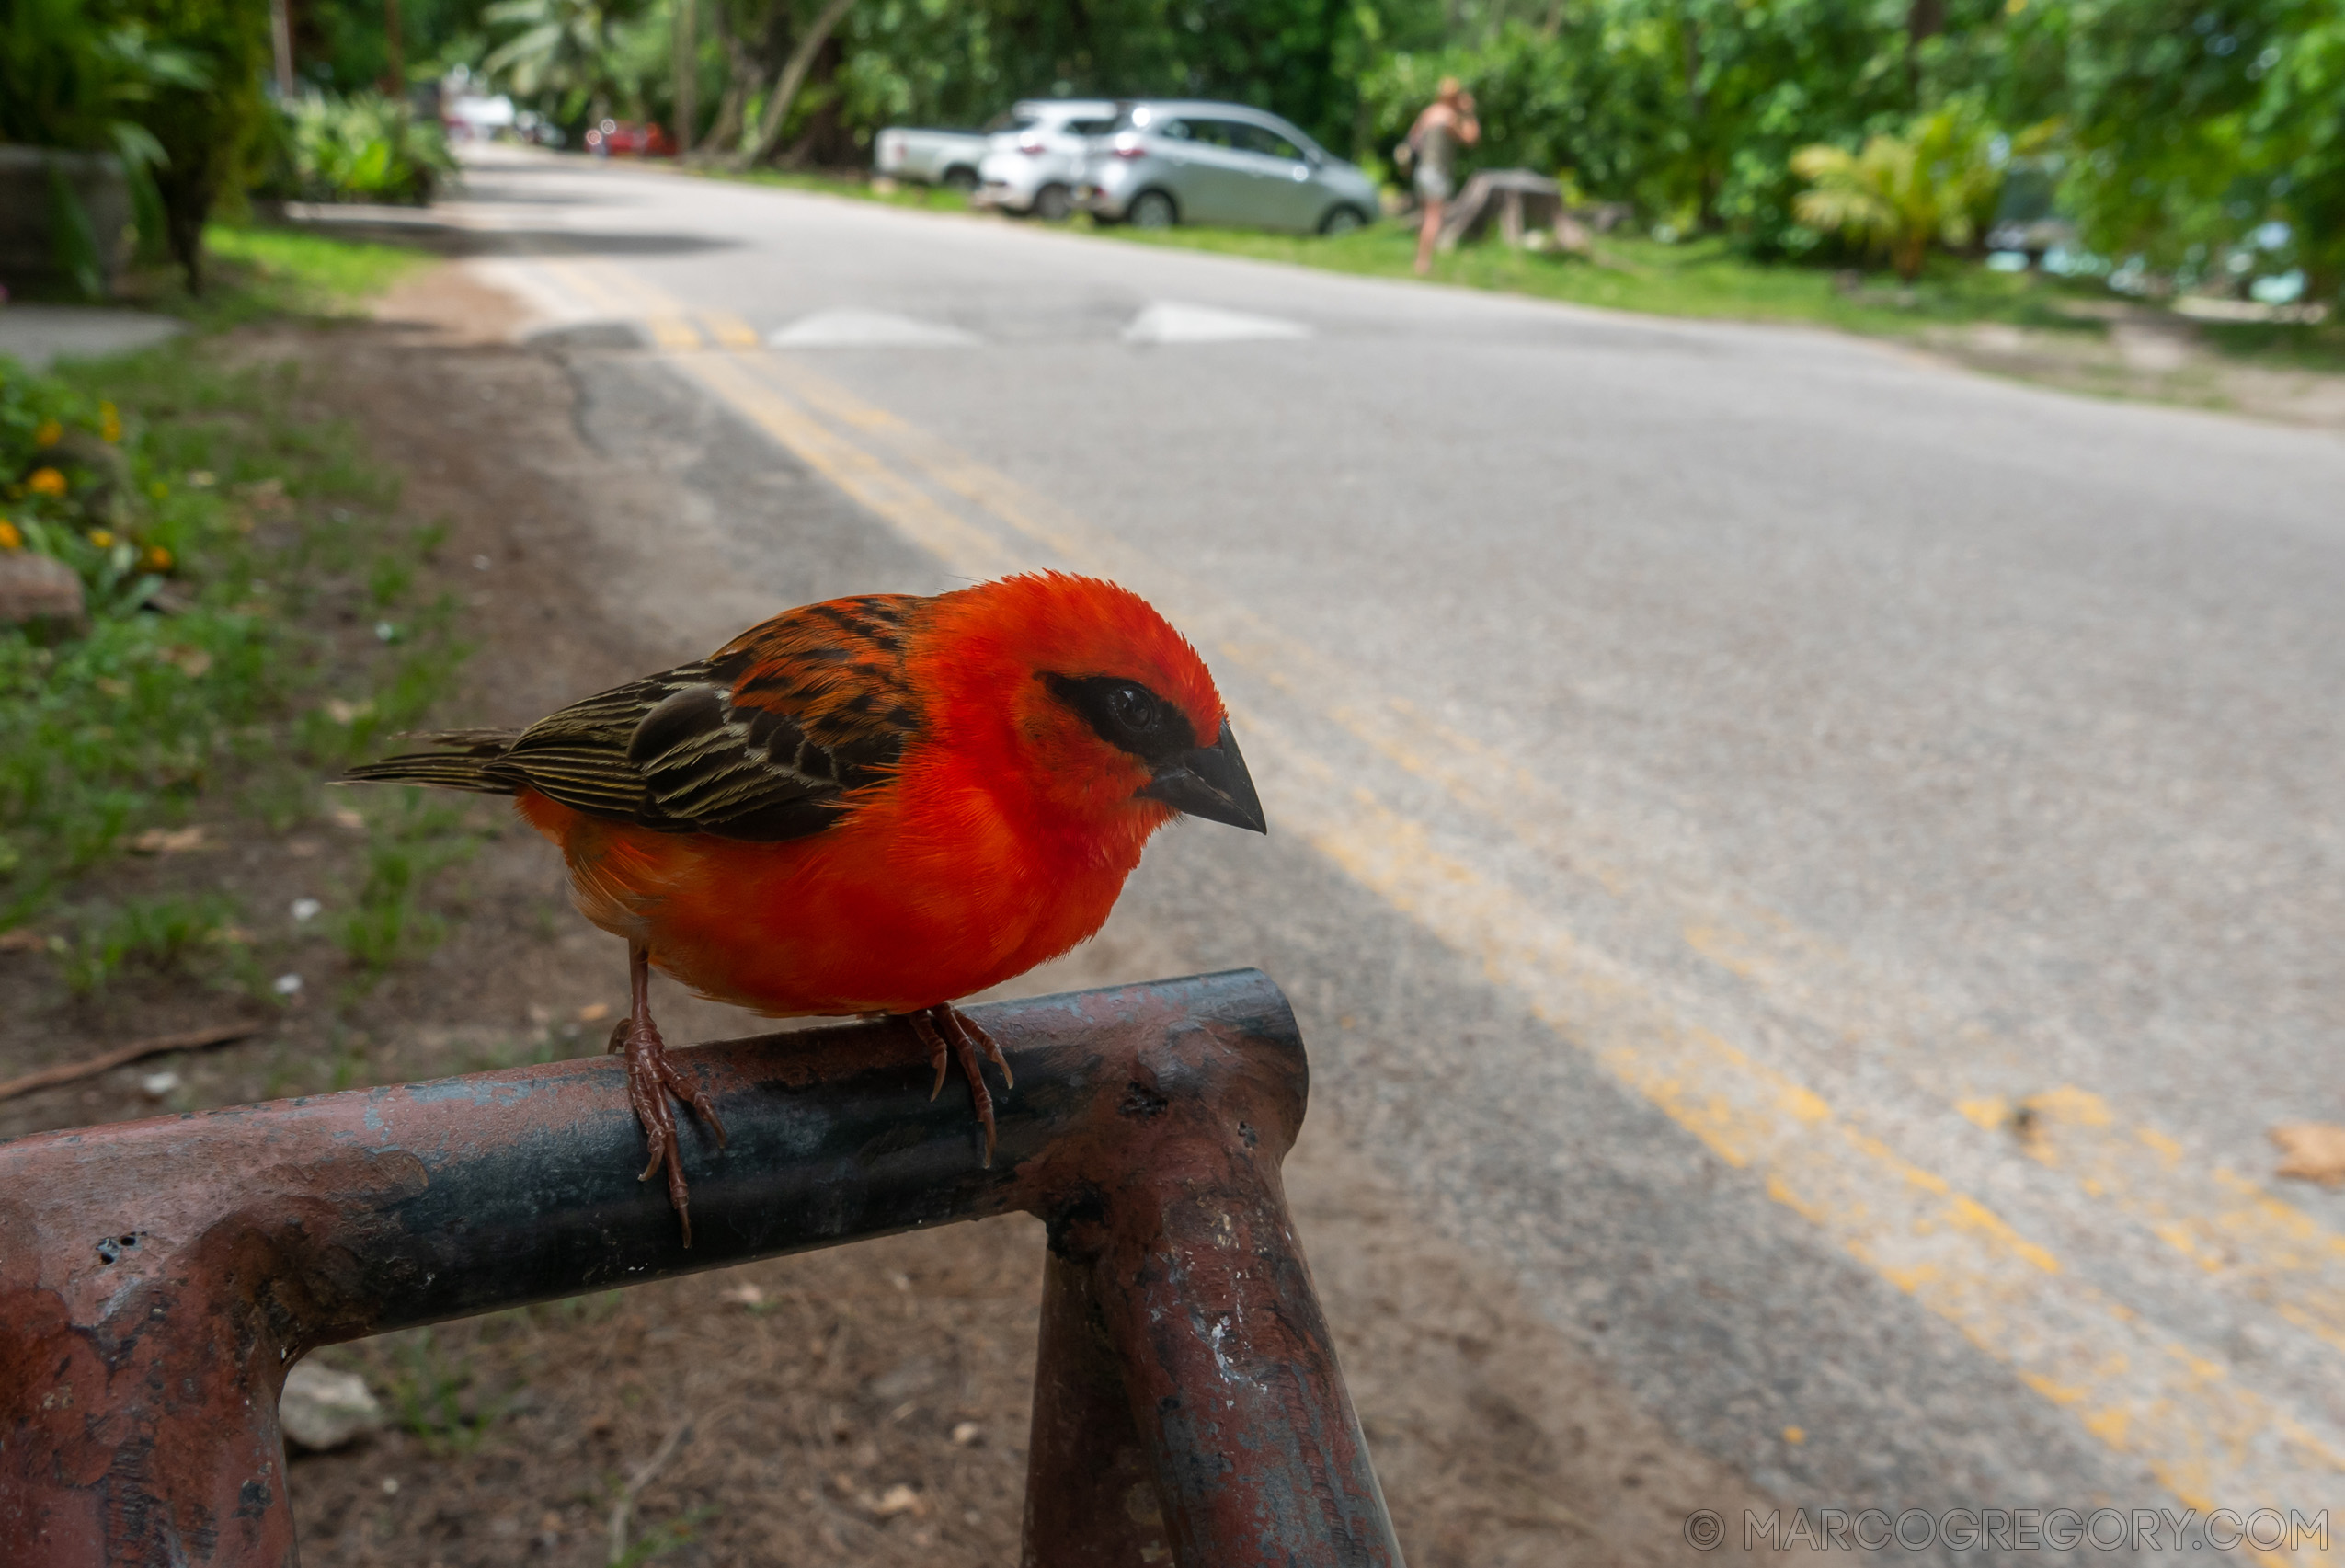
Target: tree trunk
[
  {"x": 757, "y": 149},
  {"x": 398, "y": 62},
  {"x": 1706, "y": 171},
  {"x": 741, "y": 74},
  {"x": 687, "y": 78},
  {"x": 1924, "y": 20},
  {"x": 1907, "y": 256},
  {"x": 280, "y": 43}
]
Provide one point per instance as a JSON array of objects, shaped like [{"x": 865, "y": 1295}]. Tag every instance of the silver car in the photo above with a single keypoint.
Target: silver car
[
  {"x": 1173, "y": 161},
  {"x": 1036, "y": 164}
]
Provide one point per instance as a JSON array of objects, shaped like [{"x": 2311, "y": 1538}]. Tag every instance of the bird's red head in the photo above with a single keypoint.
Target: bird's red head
[{"x": 1078, "y": 690}]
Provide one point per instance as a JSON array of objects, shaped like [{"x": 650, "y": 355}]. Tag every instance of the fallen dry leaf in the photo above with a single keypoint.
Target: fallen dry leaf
[
  {"x": 343, "y": 817},
  {"x": 746, "y": 1294},
  {"x": 24, "y": 939},
  {"x": 2311, "y": 1152},
  {"x": 342, "y": 712},
  {"x": 594, "y": 1013},
  {"x": 167, "y": 840},
  {"x": 191, "y": 662}
]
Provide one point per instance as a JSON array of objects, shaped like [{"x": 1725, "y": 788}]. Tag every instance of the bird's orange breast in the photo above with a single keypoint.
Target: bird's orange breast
[{"x": 931, "y": 889}]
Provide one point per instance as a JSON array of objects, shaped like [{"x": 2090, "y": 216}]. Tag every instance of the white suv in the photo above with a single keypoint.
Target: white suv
[{"x": 1034, "y": 166}]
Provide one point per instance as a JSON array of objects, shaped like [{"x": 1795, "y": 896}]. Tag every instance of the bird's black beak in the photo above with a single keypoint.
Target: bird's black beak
[{"x": 1211, "y": 782}]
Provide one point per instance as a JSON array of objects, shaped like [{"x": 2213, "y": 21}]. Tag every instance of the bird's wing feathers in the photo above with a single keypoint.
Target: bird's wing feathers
[{"x": 761, "y": 741}]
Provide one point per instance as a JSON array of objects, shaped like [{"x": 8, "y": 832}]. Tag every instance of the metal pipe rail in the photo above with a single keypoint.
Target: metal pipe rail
[{"x": 158, "y": 1277}]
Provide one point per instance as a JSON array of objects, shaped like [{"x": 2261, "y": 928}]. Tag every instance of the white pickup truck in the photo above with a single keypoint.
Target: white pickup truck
[{"x": 932, "y": 157}]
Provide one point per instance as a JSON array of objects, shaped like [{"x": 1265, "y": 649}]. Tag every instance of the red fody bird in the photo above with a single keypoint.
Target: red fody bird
[{"x": 870, "y": 806}]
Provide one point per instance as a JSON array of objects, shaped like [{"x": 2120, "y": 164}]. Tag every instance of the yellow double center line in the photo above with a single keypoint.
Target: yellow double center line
[{"x": 2142, "y": 1392}]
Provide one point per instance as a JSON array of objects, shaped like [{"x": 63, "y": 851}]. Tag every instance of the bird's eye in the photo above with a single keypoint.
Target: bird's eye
[
  {"x": 1134, "y": 711},
  {"x": 1126, "y": 714}
]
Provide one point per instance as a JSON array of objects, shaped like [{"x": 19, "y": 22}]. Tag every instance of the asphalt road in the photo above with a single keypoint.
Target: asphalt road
[{"x": 1824, "y": 868}]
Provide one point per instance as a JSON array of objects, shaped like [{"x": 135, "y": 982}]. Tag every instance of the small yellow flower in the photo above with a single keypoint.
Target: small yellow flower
[
  {"x": 158, "y": 490},
  {"x": 109, "y": 422},
  {"x": 46, "y": 482},
  {"x": 49, "y": 433},
  {"x": 101, "y": 538},
  {"x": 10, "y": 538},
  {"x": 158, "y": 560}
]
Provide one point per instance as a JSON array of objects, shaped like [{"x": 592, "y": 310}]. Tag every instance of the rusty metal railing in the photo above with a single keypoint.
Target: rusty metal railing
[{"x": 158, "y": 1277}]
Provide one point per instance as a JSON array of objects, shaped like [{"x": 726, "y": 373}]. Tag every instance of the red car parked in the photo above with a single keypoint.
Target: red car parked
[{"x": 625, "y": 138}]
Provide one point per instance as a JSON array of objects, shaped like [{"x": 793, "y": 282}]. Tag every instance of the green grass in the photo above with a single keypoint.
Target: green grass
[
  {"x": 169, "y": 934},
  {"x": 255, "y": 271},
  {"x": 1703, "y": 279},
  {"x": 220, "y": 526},
  {"x": 2281, "y": 345},
  {"x": 411, "y": 838}
]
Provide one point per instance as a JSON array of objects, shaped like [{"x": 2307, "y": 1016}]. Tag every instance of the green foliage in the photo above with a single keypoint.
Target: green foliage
[
  {"x": 341, "y": 46},
  {"x": 207, "y": 125},
  {"x": 560, "y": 53},
  {"x": 1934, "y": 185},
  {"x": 69, "y": 79},
  {"x": 361, "y": 148},
  {"x": 1689, "y": 110},
  {"x": 169, "y": 934},
  {"x": 2193, "y": 122}
]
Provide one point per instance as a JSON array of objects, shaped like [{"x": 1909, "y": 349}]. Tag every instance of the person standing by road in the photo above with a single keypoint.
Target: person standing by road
[{"x": 1446, "y": 124}]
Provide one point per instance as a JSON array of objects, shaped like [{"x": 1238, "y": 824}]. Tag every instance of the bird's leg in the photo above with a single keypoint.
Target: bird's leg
[
  {"x": 651, "y": 1079},
  {"x": 952, "y": 1035}
]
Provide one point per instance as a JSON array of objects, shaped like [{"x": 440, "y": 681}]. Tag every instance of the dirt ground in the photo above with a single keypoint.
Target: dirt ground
[
  {"x": 2147, "y": 356},
  {"x": 866, "y": 1405}
]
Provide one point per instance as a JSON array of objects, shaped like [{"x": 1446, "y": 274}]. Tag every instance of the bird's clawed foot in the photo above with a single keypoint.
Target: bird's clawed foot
[
  {"x": 651, "y": 1079},
  {"x": 951, "y": 1036}
]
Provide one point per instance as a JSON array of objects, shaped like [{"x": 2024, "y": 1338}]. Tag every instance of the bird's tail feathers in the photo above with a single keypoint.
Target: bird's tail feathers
[{"x": 471, "y": 764}]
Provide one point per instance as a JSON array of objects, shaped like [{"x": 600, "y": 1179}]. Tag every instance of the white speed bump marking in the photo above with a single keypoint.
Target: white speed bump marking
[
  {"x": 1167, "y": 322},
  {"x": 867, "y": 329}
]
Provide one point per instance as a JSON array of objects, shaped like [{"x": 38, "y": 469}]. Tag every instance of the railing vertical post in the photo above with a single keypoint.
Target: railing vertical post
[
  {"x": 155, "y": 1443},
  {"x": 1208, "y": 1311},
  {"x": 1090, "y": 1490}
]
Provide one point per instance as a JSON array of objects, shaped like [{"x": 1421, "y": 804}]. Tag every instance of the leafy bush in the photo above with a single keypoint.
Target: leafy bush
[
  {"x": 208, "y": 124},
  {"x": 67, "y": 81},
  {"x": 361, "y": 148},
  {"x": 2194, "y": 124},
  {"x": 1937, "y": 184},
  {"x": 1689, "y": 110}
]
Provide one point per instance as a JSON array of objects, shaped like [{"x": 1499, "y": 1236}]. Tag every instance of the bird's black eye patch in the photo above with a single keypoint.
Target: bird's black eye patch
[{"x": 1127, "y": 714}]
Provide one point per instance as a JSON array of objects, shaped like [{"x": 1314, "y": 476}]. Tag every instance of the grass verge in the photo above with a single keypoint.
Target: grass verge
[
  {"x": 1701, "y": 279},
  {"x": 251, "y": 616}
]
